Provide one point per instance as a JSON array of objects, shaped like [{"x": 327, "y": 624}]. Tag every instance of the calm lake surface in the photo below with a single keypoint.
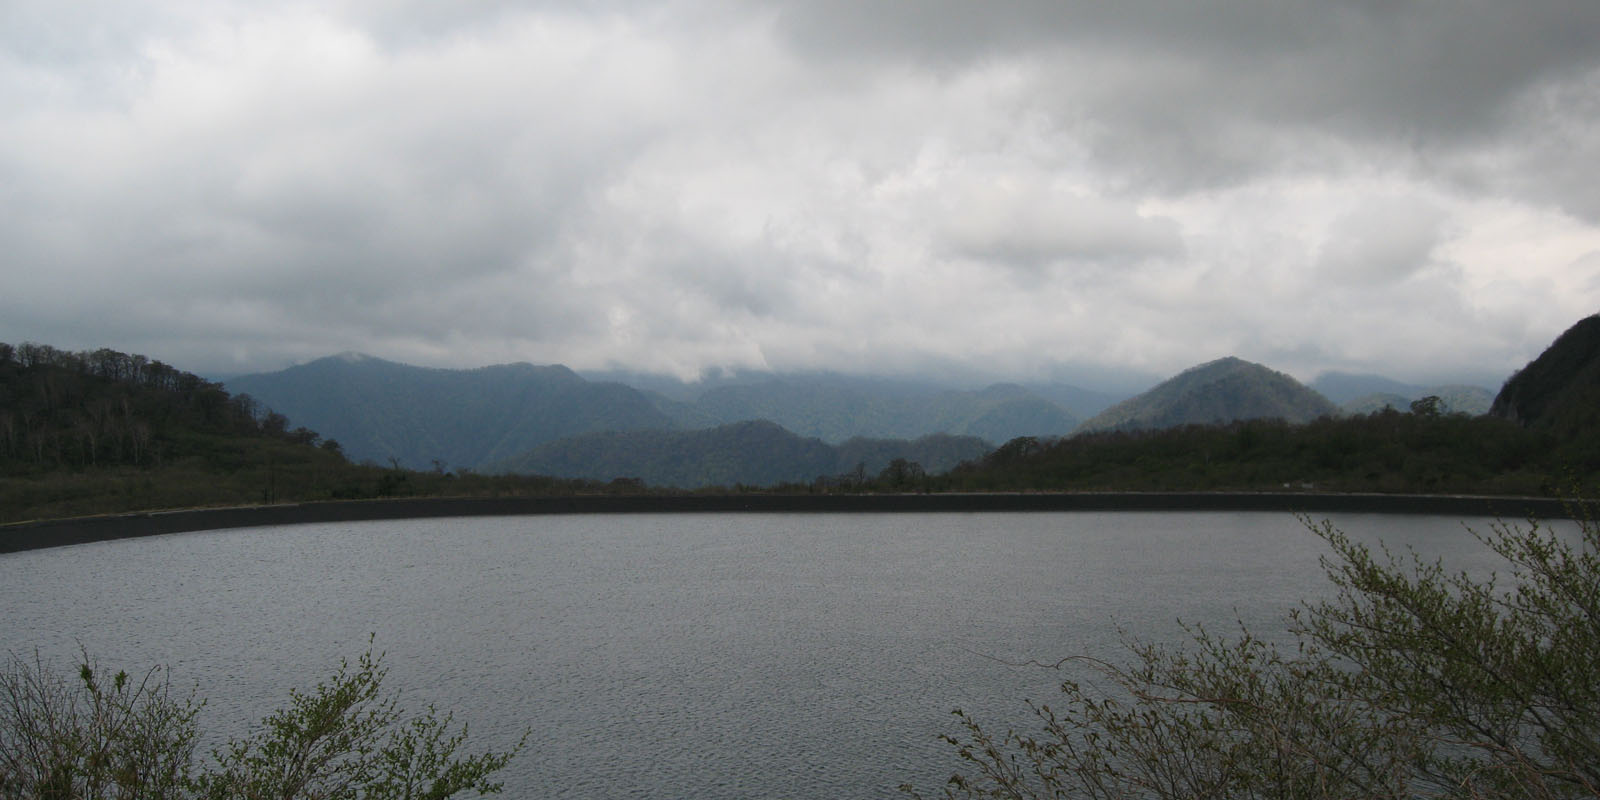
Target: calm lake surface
[{"x": 681, "y": 656}]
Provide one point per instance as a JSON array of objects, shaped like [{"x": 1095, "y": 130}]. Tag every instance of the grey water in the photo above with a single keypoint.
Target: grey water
[{"x": 682, "y": 656}]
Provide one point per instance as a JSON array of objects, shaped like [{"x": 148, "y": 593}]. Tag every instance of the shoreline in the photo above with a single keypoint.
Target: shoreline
[{"x": 81, "y": 530}]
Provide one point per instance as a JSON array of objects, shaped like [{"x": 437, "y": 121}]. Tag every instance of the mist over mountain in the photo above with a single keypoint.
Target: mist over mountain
[
  {"x": 1364, "y": 394},
  {"x": 1224, "y": 390}
]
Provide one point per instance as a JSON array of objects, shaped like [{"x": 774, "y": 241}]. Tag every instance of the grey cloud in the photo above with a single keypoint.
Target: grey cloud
[
  {"x": 1189, "y": 95},
  {"x": 668, "y": 186},
  {"x": 1386, "y": 240},
  {"x": 1406, "y": 62},
  {"x": 1034, "y": 227}
]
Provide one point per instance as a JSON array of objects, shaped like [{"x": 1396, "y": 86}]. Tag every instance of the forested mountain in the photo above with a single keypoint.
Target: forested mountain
[
  {"x": 1219, "y": 391},
  {"x": 1364, "y": 394},
  {"x": 424, "y": 417},
  {"x": 752, "y": 453},
  {"x": 1560, "y": 390}
]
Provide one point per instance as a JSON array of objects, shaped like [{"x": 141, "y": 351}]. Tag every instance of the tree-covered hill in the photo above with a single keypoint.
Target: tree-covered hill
[
  {"x": 1560, "y": 390},
  {"x": 101, "y": 431},
  {"x": 1389, "y": 451},
  {"x": 1220, "y": 391},
  {"x": 67, "y": 410}
]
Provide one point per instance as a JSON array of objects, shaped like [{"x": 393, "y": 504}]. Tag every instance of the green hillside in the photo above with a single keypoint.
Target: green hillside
[
  {"x": 1560, "y": 390},
  {"x": 102, "y": 431}
]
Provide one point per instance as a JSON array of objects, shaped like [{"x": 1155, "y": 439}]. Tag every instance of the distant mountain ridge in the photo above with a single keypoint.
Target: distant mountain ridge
[
  {"x": 380, "y": 410},
  {"x": 836, "y": 409},
  {"x": 422, "y": 417},
  {"x": 1224, "y": 390},
  {"x": 753, "y": 453}
]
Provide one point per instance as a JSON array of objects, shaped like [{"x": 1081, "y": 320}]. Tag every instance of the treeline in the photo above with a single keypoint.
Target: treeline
[
  {"x": 104, "y": 408},
  {"x": 101, "y": 432},
  {"x": 1388, "y": 451}
]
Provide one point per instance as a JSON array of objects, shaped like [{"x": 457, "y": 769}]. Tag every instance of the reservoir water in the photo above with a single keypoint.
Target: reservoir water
[{"x": 683, "y": 655}]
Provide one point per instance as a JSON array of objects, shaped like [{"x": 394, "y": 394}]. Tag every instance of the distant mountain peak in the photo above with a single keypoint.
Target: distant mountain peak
[
  {"x": 352, "y": 357},
  {"x": 1223, "y": 390}
]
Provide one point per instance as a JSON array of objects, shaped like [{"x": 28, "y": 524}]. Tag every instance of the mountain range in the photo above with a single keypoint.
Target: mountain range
[
  {"x": 754, "y": 453},
  {"x": 421, "y": 417},
  {"x": 98, "y": 432},
  {"x": 552, "y": 420},
  {"x": 425, "y": 418}
]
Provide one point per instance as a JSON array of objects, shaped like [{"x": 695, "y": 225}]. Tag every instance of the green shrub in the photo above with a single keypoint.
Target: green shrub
[
  {"x": 1410, "y": 682},
  {"x": 81, "y": 739}
]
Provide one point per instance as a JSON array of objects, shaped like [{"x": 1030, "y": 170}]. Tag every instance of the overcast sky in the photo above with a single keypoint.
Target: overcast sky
[{"x": 1019, "y": 189}]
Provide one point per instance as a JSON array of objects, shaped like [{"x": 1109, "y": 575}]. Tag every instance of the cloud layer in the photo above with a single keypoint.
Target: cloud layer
[{"x": 1016, "y": 189}]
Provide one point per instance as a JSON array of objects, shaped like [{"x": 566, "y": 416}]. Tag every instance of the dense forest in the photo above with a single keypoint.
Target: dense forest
[
  {"x": 1388, "y": 451},
  {"x": 60, "y": 409}
]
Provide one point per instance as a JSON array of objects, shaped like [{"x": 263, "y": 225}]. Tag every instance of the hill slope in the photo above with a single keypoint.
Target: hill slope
[
  {"x": 1224, "y": 390},
  {"x": 1560, "y": 390},
  {"x": 102, "y": 431},
  {"x": 381, "y": 410}
]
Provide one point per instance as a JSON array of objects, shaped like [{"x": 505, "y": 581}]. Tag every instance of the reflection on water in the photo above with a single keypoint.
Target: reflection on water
[{"x": 708, "y": 656}]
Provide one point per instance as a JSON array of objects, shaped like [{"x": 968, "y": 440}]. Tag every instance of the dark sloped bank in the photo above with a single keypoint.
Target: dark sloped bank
[{"x": 55, "y": 533}]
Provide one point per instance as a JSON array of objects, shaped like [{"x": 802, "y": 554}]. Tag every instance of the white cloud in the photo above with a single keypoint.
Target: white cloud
[{"x": 866, "y": 186}]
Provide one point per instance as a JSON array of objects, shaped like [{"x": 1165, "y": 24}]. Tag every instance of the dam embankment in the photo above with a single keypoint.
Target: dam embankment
[{"x": 56, "y": 533}]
